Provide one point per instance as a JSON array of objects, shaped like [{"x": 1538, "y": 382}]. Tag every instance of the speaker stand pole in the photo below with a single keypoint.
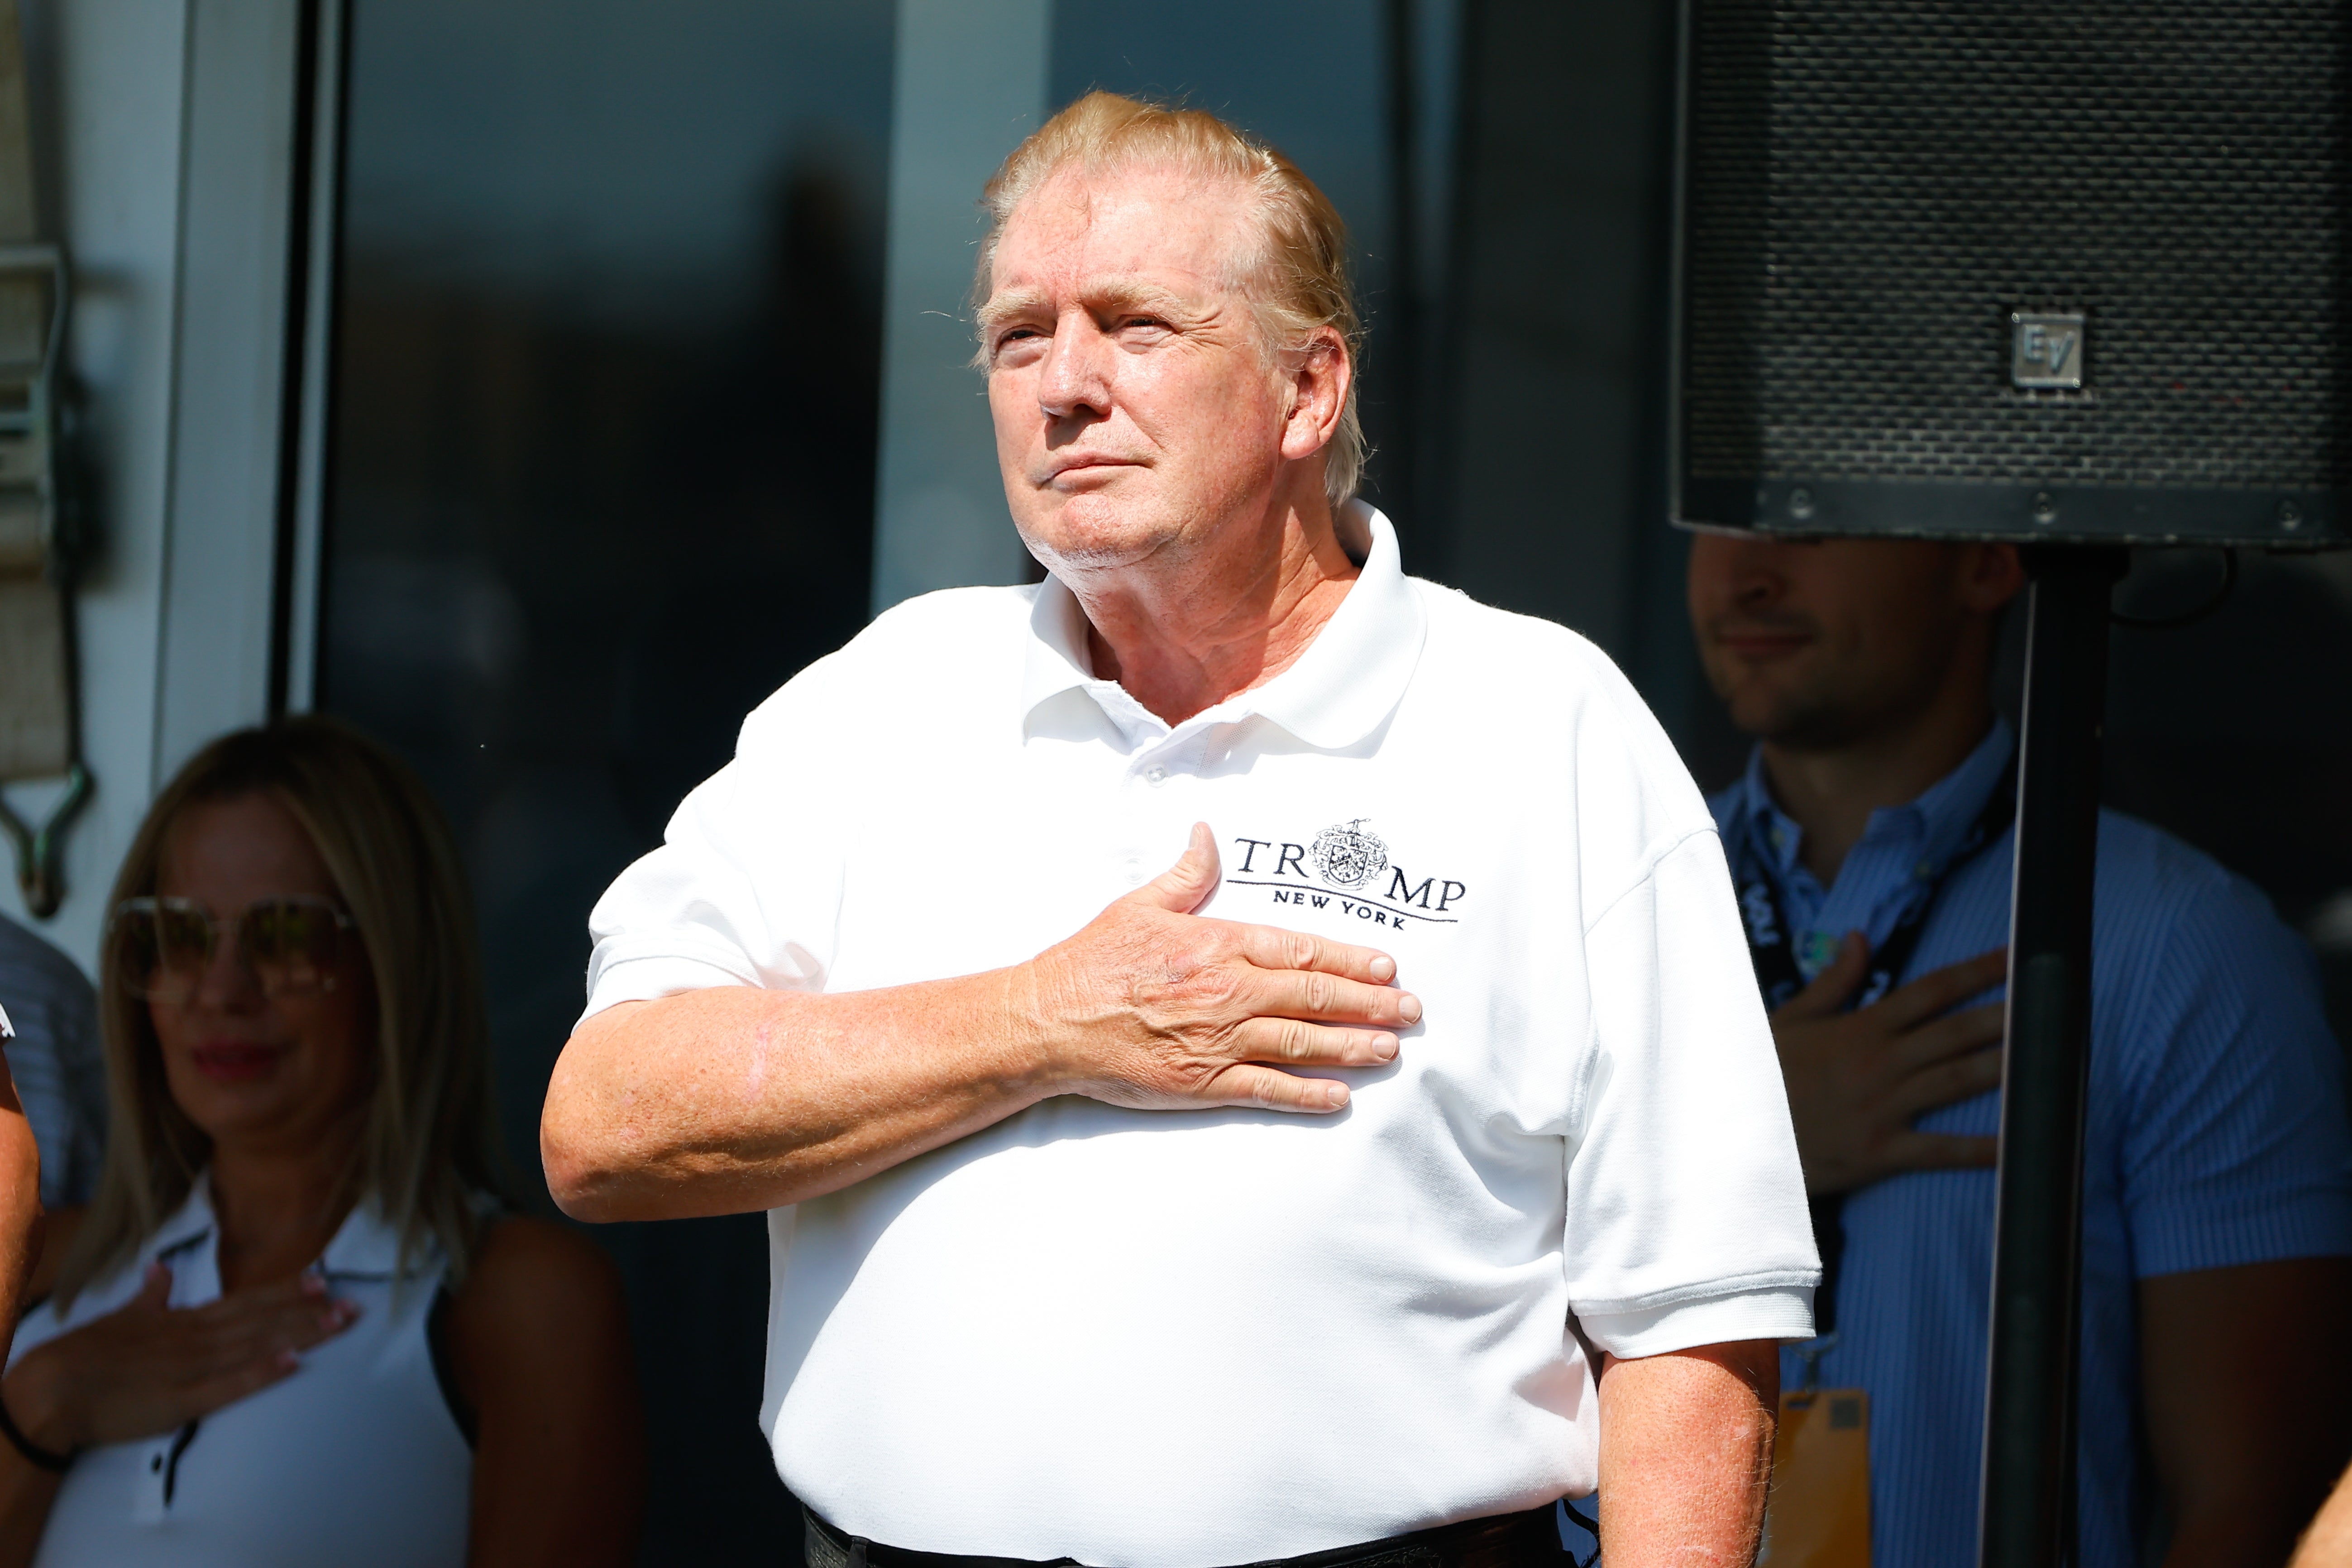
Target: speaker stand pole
[{"x": 2027, "y": 1514}]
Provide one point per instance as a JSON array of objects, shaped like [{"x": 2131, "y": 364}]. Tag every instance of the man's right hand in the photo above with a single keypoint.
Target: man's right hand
[
  {"x": 149, "y": 1367},
  {"x": 1858, "y": 1080},
  {"x": 734, "y": 1098},
  {"x": 1154, "y": 1006}
]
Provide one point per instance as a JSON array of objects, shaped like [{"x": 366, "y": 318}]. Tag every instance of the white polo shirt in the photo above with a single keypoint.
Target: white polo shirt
[{"x": 1157, "y": 1338}]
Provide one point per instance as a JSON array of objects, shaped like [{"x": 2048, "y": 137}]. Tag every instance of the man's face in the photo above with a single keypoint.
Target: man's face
[
  {"x": 1134, "y": 406},
  {"x": 1820, "y": 644}
]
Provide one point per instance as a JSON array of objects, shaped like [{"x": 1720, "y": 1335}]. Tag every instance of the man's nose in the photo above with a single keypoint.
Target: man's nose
[
  {"x": 1076, "y": 377},
  {"x": 1754, "y": 567}
]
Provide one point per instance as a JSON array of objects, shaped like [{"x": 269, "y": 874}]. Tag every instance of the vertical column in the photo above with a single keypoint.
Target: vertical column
[
  {"x": 2028, "y": 1503},
  {"x": 970, "y": 83},
  {"x": 228, "y": 376}
]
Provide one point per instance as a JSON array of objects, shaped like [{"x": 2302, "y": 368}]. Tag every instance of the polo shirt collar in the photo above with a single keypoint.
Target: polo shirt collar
[
  {"x": 1348, "y": 682},
  {"x": 1937, "y": 821},
  {"x": 364, "y": 1247},
  {"x": 189, "y": 1223}
]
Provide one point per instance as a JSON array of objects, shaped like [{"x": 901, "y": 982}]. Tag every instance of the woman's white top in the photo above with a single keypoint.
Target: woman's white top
[{"x": 353, "y": 1460}]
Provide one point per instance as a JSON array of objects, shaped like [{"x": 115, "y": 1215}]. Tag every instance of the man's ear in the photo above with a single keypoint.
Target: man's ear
[
  {"x": 1320, "y": 378},
  {"x": 1991, "y": 576}
]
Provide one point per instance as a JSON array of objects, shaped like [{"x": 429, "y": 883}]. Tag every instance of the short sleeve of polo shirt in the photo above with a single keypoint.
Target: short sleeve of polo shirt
[
  {"x": 745, "y": 889},
  {"x": 2237, "y": 1149},
  {"x": 1686, "y": 1222}
]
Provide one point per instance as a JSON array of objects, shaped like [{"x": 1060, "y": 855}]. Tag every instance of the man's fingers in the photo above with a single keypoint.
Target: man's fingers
[
  {"x": 1181, "y": 887},
  {"x": 1330, "y": 999},
  {"x": 1947, "y": 1083},
  {"x": 1941, "y": 1151},
  {"x": 1271, "y": 947},
  {"x": 1832, "y": 986},
  {"x": 1949, "y": 1036},
  {"x": 1290, "y": 1041},
  {"x": 1271, "y": 1091},
  {"x": 1942, "y": 990}
]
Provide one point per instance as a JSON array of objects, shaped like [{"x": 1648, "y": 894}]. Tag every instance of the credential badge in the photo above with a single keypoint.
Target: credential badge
[
  {"x": 1348, "y": 857},
  {"x": 2045, "y": 351}
]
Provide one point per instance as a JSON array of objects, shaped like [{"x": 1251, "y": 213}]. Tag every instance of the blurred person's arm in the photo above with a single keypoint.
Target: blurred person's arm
[
  {"x": 57, "y": 1229},
  {"x": 540, "y": 1340},
  {"x": 20, "y": 1200},
  {"x": 25, "y": 1490},
  {"x": 2246, "y": 1378},
  {"x": 2328, "y": 1543},
  {"x": 1685, "y": 1455}
]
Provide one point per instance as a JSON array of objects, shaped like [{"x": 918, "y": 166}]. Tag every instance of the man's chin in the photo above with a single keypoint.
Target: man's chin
[
  {"x": 1094, "y": 545},
  {"x": 1787, "y": 719}
]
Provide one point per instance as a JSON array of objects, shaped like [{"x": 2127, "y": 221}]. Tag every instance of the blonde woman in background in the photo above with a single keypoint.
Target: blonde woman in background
[
  {"x": 295, "y": 1327},
  {"x": 20, "y": 1187}
]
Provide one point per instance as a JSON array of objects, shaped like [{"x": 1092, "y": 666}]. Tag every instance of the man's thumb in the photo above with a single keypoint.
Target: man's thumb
[
  {"x": 1182, "y": 887},
  {"x": 1834, "y": 987}
]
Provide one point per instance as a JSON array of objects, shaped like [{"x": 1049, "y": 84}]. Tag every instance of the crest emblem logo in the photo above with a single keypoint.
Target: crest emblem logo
[{"x": 1348, "y": 857}]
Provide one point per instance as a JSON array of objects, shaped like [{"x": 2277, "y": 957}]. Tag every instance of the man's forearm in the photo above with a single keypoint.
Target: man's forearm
[
  {"x": 1686, "y": 1455},
  {"x": 20, "y": 1200},
  {"x": 733, "y": 1099},
  {"x": 2328, "y": 1543}
]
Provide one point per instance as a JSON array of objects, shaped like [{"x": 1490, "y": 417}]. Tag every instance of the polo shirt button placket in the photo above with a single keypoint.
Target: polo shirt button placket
[{"x": 148, "y": 1505}]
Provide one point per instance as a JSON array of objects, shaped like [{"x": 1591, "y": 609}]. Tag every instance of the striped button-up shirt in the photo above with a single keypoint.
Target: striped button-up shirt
[
  {"x": 2217, "y": 1138},
  {"x": 54, "y": 1057}
]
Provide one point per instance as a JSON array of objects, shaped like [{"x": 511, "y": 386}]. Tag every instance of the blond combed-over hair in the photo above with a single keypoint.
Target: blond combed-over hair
[
  {"x": 426, "y": 1151},
  {"x": 1293, "y": 269}
]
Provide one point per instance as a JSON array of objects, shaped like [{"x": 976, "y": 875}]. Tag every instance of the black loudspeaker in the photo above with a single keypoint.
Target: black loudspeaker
[{"x": 2039, "y": 271}]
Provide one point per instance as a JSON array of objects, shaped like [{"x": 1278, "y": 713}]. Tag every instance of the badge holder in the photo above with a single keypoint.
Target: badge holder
[{"x": 1817, "y": 1515}]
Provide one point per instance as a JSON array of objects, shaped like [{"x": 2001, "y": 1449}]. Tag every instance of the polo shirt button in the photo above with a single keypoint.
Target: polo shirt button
[{"x": 1156, "y": 774}]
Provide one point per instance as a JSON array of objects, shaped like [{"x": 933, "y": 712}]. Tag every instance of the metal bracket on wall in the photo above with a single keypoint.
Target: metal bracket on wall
[
  {"x": 40, "y": 847},
  {"x": 39, "y": 732}
]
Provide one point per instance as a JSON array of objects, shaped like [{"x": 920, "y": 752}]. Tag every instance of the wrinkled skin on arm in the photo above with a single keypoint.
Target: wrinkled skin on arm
[{"x": 1686, "y": 1455}]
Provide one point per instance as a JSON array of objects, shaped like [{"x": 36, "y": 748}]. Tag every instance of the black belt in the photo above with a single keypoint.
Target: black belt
[{"x": 1505, "y": 1540}]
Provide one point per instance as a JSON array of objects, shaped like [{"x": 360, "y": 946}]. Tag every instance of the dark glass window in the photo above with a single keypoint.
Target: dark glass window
[{"x": 601, "y": 479}]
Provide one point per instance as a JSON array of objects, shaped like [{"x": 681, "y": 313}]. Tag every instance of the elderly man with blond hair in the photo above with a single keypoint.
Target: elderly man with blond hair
[{"x": 1409, "y": 1154}]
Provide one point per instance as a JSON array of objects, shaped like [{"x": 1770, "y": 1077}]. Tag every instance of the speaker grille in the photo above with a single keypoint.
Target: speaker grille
[{"x": 1873, "y": 185}]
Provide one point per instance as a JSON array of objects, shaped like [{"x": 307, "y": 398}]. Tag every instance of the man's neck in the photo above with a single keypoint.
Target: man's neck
[
  {"x": 1831, "y": 792},
  {"x": 1187, "y": 630}
]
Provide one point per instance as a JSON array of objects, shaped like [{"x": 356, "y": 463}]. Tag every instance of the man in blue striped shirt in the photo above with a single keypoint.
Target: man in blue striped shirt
[{"x": 1872, "y": 848}]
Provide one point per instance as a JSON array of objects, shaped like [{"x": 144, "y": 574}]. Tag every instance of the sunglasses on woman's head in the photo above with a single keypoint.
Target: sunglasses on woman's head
[{"x": 161, "y": 947}]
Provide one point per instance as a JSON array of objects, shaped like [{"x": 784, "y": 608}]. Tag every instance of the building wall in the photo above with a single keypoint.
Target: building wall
[
  {"x": 106, "y": 78},
  {"x": 163, "y": 132}
]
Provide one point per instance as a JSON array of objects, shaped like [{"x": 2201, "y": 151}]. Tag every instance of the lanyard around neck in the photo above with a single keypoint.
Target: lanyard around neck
[{"x": 1771, "y": 948}]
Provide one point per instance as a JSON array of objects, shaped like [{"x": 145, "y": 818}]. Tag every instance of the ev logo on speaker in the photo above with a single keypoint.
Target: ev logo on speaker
[{"x": 2045, "y": 351}]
